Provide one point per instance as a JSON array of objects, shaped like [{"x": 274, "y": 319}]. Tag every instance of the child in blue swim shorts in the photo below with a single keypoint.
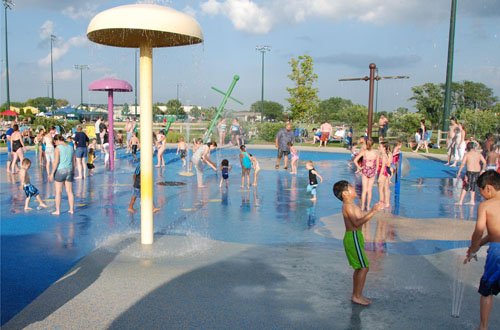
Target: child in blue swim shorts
[{"x": 488, "y": 217}]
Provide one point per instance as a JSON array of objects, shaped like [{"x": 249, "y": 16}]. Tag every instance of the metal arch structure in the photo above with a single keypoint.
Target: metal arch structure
[{"x": 372, "y": 78}]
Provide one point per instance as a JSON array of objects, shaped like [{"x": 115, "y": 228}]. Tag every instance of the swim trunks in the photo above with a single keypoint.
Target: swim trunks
[
  {"x": 30, "y": 190},
  {"x": 324, "y": 136},
  {"x": 490, "y": 281},
  {"x": 492, "y": 167},
  {"x": 182, "y": 153},
  {"x": 471, "y": 183},
  {"x": 354, "y": 246}
]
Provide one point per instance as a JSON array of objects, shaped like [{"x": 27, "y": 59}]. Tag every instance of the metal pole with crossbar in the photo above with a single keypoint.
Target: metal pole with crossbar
[{"x": 372, "y": 78}]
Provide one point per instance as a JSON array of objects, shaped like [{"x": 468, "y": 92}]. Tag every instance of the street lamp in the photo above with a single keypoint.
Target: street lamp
[
  {"x": 81, "y": 67},
  {"x": 263, "y": 50},
  {"x": 52, "y": 39},
  {"x": 7, "y": 5}
]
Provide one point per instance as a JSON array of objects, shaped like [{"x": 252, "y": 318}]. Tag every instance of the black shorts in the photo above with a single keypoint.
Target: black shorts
[
  {"x": 134, "y": 149},
  {"x": 282, "y": 153},
  {"x": 471, "y": 183}
]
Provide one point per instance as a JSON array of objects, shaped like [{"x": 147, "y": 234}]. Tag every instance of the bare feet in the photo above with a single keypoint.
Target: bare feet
[
  {"x": 71, "y": 212},
  {"x": 131, "y": 210},
  {"x": 313, "y": 199},
  {"x": 28, "y": 208},
  {"x": 77, "y": 177},
  {"x": 157, "y": 165},
  {"x": 43, "y": 205},
  {"x": 202, "y": 186},
  {"x": 55, "y": 213},
  {"x": 458, "y": 203},
  {"x": 155, "y": 209},
  {"x": 363, "y": 301},
  {"x": 470, "y": 203}
]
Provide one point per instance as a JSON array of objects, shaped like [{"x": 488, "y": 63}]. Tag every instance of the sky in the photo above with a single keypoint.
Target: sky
[{"x": 342, "y": 36}]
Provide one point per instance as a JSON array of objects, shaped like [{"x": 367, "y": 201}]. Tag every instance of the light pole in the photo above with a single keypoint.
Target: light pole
[
  {"x": 263, "y": 50},
  {"x": 81, "y": 67},
  {"x": 135, "y": 83},
  {"x": 7, "y": 5},
  {"x": 52, "y": 39},
  {"x": 449, "y": 68}
]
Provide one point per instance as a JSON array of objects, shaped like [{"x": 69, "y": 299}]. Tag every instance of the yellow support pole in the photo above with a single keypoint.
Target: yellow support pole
[{"x": 146, "y": 134}]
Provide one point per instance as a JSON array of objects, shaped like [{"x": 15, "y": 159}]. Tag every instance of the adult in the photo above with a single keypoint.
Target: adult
[
  {"x": 49, "y": 150},
  {"x": 200, "y": 156},
  {"x": 97, "y": 130},
  {"x": 8, "y": 135},
  {"x": 62, "y": 173},
  {"x": 105, "y": 144},
  {"x": 235, "y": 132},
  {"x": 326, "y": 132},
  {"x": 17, "y": 147},
  {"x": 129, "y": 129},
  {"x": 383, "y": 126},
  {"x": 460, "y": 138},
  {"x": 81, "y": 143},
  {"x": 450, "y": 139},
  {"x": 283, "y": 138},
  {"x": 423, "y": 137},
  {"x": 222, "y": 129}
]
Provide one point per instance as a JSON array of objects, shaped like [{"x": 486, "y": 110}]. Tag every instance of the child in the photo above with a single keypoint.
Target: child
[
  {"x": 90, "y": 161},
  {"x": 135, "y": 145},
  {"x": 295, "y": 157},
  {"x": 354, "y": 248},
  {"x": 385, "y": 172},
  {"x": 492, "y": 158},
  {"x": 256, "y": 168},
  {"x": 137, "y": 190},
  {"x": 182, "y": 150},
  {"x": 488, "y": 217},
  {"x": 225, "y": 168},
  {"x": 29, "y": 189},
  {"x": 368, "y": 169},
  {"x": 246, "y": 166},
  {"x": 472, "y": 160},
  {"x": 313, "y": 179}
]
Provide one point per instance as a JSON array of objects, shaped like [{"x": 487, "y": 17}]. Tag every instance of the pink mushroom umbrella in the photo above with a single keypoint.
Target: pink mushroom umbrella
[{"x": 111, "y": 85}]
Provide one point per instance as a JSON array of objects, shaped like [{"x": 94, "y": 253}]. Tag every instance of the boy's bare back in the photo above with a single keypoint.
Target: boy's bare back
[
  {"x": 473, "y": 161},
  {"x": 490, "y": 210}
]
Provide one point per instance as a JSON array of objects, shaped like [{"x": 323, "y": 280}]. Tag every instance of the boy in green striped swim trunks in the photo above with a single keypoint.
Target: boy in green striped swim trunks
[{"x": 354, "y": 243}]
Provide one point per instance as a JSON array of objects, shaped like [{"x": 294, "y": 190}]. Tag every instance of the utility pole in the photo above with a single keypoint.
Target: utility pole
[
  {"x": 178, "y": 102},
  {"x": 81, "y": 67},
  {"x": 8, "y": 4},
  {"x": 135, "y": 87},
  {"x": 263, "y": 50},
  {"x": 449, "y": 68},
  {"x": 372, "y": 78},
  {"x": 52, "y": 39}
]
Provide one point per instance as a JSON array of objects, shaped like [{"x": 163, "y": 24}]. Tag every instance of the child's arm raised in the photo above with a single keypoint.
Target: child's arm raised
[{"x": 358, "y": 217}]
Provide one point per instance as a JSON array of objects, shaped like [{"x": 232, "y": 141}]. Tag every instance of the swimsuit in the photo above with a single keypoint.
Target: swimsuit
[
  {"x": 490, "y": 281},
  {"x": 225, "y": 173},
  {"x": 354, "y": 246},
  {"x": 30, "y": 190},
  {"x": 491, "y": 167},
  {"x": 16, "y": 145},
  {"x": 313, "y": 182},
  {"x": 182, "y": 153},
  {"x": 471, "y": 181},
  {"x": 368, "y": 171}
]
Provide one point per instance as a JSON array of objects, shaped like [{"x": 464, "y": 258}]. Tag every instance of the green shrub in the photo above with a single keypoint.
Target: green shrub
[{"x": 268, "y": 131}]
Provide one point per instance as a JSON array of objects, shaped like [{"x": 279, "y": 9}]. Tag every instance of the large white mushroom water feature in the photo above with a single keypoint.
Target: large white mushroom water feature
[{"x": 145, "y": 26}]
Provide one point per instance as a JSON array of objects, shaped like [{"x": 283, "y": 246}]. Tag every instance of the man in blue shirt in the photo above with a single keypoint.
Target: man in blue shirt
[{"x": 284, "y": 136}]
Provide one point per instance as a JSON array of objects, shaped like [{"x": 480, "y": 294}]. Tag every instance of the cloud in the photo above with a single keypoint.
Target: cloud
[
  {"x": 66, "y": 75},
  {"x": 249, "y": 16},
  {"x": 61, "y": 47},
  {"x": 362, "y": 60},
  {"x": 188, "y": 10},
  {"x": 84, "y": 11},
  {"x": 46, "y": 30},
  {"x": 245, "y": 15}
]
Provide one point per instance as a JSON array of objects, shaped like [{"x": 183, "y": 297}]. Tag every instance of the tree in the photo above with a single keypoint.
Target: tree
[
  {"x": 174, "y": 107},
  {"x": 125, "y": 110},
  {"x": 272, "y": 110},
  {"x": 429, "y": 102},
  {"x": 328, "y": 108},
  {"x": 303, "y": 97},
  {"x": 355, "y": 115},
  {"x": 195, "y": 112},
  {"x": 472, "y": 95}
]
